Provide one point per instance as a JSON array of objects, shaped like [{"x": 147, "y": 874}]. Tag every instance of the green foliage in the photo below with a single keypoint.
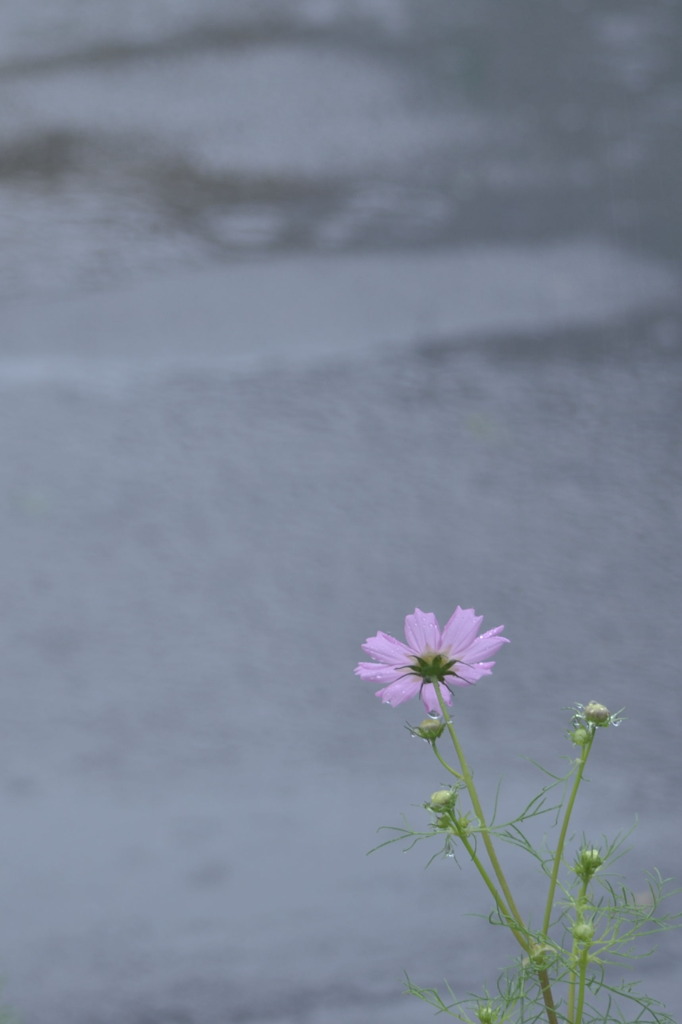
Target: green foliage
[{"x": 566, "y": 971}]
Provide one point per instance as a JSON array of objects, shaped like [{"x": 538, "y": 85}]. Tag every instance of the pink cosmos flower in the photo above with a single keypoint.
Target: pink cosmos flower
[{"x": 454, "y": 656}]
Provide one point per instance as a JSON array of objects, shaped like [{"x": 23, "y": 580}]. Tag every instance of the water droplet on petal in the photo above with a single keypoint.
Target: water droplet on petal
[{"x": 434, "y": 714}]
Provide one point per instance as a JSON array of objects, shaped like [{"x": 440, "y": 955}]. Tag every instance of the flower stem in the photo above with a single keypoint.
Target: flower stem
[
  {"x": 445, "y": 764},
  {"x": 582, "y": 761},
  {"x": 501, "y": 905},
  {"x": 581, "y": 987},
  {"x": 580, "y": 958},
  {"x": 543, "y": 975},
  {"x": 485, "y": 835},
  {"x": 516, "y": 924},
  {"x": 547, "y": 997}
]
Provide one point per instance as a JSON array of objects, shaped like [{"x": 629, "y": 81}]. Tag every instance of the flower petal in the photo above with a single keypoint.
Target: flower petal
[
  {"x": 428, "y": 696},
  {"x": 387, "y": 649},
  {"x": 468, "y": 674},
  {"x": 460, "y": 629},
  {"x": 403, "y": 677},
  {"x": 400, "y": 691},
  {"x": 378, "y": 673},
  {"x": 485, "y": 645},
  {"x": 422, "y": 631}
]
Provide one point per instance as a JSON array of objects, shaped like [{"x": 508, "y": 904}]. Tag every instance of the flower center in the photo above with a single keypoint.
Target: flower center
[{"x": 432, "y": 667}]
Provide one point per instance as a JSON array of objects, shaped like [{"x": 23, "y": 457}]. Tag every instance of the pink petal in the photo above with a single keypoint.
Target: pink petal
[
  {"x": 487, "y": 644},
  {"x": 468, "y": 674},
  {"x": 422, "y": 632},
  {"x": 400, "y": 691},
  {"x": 460, "y": 629},
  {"x": 387, "y": 649},
  {"x": 378, "y": 673},
  {"x": 428, "y": 696}
]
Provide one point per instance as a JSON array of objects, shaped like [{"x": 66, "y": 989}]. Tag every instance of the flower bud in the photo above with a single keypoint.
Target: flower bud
[
  {"x": 463, "y": 825},
  {"x": 587, "y": 862},
  {"x": 441, "y": 800},
  {"x": 583, "y": 931},
  {"x": 430, "y": 729},
  {"x": 592, "y": 857},
  {"x": 487, "y": 1014},
  {"x": 579, "y": 736},
  {"x": 596, "y": 713}
]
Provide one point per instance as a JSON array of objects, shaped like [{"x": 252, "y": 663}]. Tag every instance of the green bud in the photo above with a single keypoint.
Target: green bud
[
  {"x": 597, "y": 713},
  {"x": 592, "y": 857},
  {"x": 487, "y": 1014},
  {"x": 463, "y": 824},
  {"x": 583, "y": 931},
  {"x": 430, "y": 729},
  {"x": 587, "y": 862},
  {"x": 579, "y": 736},
  {"x": 441, "y": 800}
]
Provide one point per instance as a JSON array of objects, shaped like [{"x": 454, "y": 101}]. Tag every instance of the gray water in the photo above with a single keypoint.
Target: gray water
[{"x": 314, "y": 312}]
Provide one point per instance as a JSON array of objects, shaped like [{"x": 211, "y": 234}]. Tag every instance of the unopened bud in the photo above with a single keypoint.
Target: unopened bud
[
  {"x": 442, "y": 800},
  {"x": 579, "y": 736},
  {"x": 587, "y": 862},
  {"x": 597, "y": 713},
  {"x": 463, "y": 825},
  {"x": 487, "y": 1014},
  {"x": 430, "y": 729},
  {"x": 583, "y": 931},
  {"x": 592, "y": 857}
]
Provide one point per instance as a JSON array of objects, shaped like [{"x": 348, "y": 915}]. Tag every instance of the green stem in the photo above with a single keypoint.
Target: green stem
[
  {"x": 581, "y": 987},
  {"x": 582, "y": 761},
  {"x": 547, "y": 997},
  {"x": 543, "y": 975},
  {"x": 445, "y": 764},
  {"x": 478, "y": 810},
  {"x": 501, "y": 905},
  {"x": 570, "y": 1004},
  {"x": 517, "y": 926}
]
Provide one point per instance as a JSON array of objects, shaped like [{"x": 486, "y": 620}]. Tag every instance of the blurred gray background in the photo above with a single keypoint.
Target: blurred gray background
[{"x": 314, "y": 311}]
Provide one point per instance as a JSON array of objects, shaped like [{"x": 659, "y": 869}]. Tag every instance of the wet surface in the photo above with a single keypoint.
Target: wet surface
[
  {"x": 314, "y": 312},
  {"x": 135, "y": 147},
  {"x": 192, "y": 774}
]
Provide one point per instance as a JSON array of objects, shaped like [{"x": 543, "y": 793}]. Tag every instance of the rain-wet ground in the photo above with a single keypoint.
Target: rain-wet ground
[
  {"x": 315, "y": 312},
  {"x": 137, "y": 143}
]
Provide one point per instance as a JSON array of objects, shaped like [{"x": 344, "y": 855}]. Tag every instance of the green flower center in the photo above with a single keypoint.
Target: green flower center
[{"x": 433, "y": 667}]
